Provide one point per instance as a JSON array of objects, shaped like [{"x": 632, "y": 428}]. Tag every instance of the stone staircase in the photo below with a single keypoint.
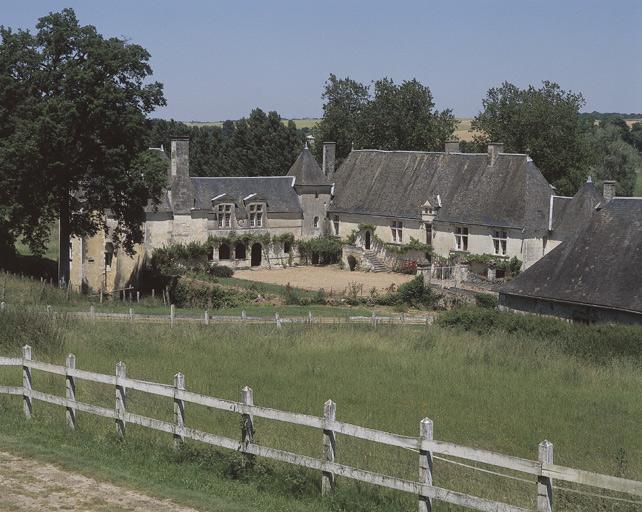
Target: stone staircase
[{"x": 376, "y": 264}]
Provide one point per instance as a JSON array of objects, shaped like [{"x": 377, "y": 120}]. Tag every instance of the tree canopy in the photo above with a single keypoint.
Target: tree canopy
[
  {"x": 73, "y": 122},
  {"x": 395, "y": 117},
  {"x": 542, "y": 122},
  {"x": 261, "y": 145}
]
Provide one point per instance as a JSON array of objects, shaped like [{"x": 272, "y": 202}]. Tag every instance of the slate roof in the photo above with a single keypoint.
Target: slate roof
[
  {"x": 598, "y": 265},
  {"x": 306, "y": 170},
  {"x": 278, "y": 191},
  {"x": 570, "y": 214},
  {"x": 511, "y": 193}
]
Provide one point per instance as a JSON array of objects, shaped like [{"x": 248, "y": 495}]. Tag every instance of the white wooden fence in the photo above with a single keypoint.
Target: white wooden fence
[
  {"x": 132, "y": 316},
  {"x": 542, "y": 471}
]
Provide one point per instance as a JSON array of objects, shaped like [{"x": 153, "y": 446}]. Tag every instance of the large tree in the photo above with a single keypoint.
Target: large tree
[
  {"x": 542, "y": 122},
  {"x": 395, "y": 117},
  {"x": 73, "y": 111}
]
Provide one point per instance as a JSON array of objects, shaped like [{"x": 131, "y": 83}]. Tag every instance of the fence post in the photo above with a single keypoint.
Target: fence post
[
  {"x": 131, "y": 315},
  {"x": 243, "y": 317},
  {"x": 247, "y": 433},
  {"x": 172, "y": 315},
  {"x": 207, "y": 317},
  {"x": 425, "y": 463},
  {"x": 347, "y": 318},
  {"x": 137, "y": 295},
  {"x": 428, "y": 320},
  {"x": 49, "y": 309},
  {"x": 92, "y": 314},
  {"x": 329, "y": 445},
  {"x": 278, "y": 320},
  {"x": 310, "y": 317},
  {"x": 71, "y": 391},
  {"x": 101, "y": 294},
  {"x": 374, "y": 320},
  {"x": 545, "y": 483},
  {"x": 120, "y": 400},
  {"x": 179, "y": 411},
  {"x": 402, "y": 319},
  {"x": 2, "y": 306},
  {"x": 26, "y": 381}
]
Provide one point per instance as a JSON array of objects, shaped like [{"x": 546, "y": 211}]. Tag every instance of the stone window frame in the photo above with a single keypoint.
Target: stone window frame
[
  {"x": 315, "y": 222},
  {"x": 461, "y": 238},
  {"x": 500, "y": 241},
  {"x": 335, "y": 223},
  {"x": 397, "y": 231},
  {"x": 224, "y": 214},
  {"x": 257, "y": 215}
]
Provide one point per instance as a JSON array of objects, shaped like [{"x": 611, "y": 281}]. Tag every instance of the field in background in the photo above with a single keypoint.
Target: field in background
[{"x": 461, "y": 131}]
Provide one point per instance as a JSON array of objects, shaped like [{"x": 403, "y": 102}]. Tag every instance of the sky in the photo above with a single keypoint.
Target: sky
[{"x": 220, "y": 60}]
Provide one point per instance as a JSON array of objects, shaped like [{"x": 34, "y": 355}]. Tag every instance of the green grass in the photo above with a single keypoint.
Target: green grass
[
  {"x": 637, "y": 188},
  {"x": 487, "y": 383}
]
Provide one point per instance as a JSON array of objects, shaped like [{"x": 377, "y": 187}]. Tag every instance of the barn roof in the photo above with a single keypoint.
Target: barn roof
[
  {"x": 598, "y": 265},
  {"x": 569, "y": 214}
]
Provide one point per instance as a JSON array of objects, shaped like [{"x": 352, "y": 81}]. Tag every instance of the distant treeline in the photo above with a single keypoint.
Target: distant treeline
[{"x": 609, "y": 115}]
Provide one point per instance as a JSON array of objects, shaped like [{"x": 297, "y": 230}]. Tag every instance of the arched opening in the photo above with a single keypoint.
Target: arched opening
[
  {"x": 367, "y": 239},
  {"x": 224, "y": 252},
  {"x": 352, "y": 263},
  {"x": 256, "y": 255},
  {"x": 315, "y": 258},
  {"x": 316, "y": 222},
  {"x": 286, "y": 247},
  {"x": 240, "y": 251},
  {"x": 109, "y": 255}
]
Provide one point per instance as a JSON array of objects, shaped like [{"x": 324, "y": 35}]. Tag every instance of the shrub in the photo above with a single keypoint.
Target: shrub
[
  {"x": 486, "y": 300},
  {"x": 327, "y": 249}
]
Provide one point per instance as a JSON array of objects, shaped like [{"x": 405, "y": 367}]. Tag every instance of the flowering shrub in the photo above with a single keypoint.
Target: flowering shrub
[{"x": 406, "y": 267}]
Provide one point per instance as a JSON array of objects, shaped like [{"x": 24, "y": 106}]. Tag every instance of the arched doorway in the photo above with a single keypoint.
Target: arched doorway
[
  {"x": 240, "y": 251},
  {"x": 224, "y": 252},
  {"x": 256, "y": 254},
  {"x": 368, "y": 240},
  {"x": 352, "y": 262}
]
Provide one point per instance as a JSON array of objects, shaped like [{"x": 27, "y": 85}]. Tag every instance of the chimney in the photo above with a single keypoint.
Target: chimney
[
  {"x": 180, "y": 156},
  {"x": 494, "y": 149},
  {"x": 609, "y": 190},
  {"x": 329, "y": 151},
  {"x": 452, "y": 146}
]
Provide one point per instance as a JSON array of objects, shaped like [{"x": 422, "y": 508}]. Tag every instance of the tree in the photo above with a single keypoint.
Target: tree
[
  {"x": 262, "y": 146},
  {"x": 616, "y": 158},
  {"x": 345, "y": 100},
  {"x": 542, "y": 122},
  {"x": 73, "y": 121},
  {"x": 396, "y": 117}
]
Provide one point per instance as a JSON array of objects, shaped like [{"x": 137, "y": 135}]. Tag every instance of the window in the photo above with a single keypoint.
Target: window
[
  {"x": 335, "y": 221},
  {"x": 499, "y": 242},
  {"x": 224, "y": 216},
  {"x": 428, "y": 233},
  {"x": 461, "y": 238},
  {"x": 397, "y": 233},
  {"x": 316, "y": 222},
  {"x": 256, "y": 215}
]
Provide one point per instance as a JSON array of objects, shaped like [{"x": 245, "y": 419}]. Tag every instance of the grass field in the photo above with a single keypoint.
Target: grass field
[{"x": 504, "y": 390}]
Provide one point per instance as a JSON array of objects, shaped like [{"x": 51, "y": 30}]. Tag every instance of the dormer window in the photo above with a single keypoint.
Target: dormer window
[
  {"x": 224, "y": 216},
  {"x": 256, "y": 215}
]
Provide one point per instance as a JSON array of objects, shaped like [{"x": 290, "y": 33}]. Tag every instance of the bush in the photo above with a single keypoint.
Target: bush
[
  {"x": 413, "y": 293},
  {"x": 486, "y": 300},
  {"x": 327, "y": 250},
  {"x": 192, "y": 294}
]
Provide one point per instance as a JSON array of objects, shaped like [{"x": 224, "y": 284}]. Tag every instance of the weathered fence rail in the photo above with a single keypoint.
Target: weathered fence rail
[
  {"x": 132, "y": 316},
  {"x": 542, "y": 470}
]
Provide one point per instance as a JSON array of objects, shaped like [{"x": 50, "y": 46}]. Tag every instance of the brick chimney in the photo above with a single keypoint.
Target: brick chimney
[
  {"x": 329, "y": 151},
  {"x": 609, "y": 190},
  {"x": 494, "y": 149},
  {"x": 452, "y": 146}
]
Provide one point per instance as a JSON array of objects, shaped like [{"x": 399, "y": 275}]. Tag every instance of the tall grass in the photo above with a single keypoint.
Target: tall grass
[{"x": 485, "y": 388}]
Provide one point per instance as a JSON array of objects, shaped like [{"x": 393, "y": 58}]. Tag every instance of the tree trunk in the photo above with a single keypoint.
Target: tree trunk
[{"x": 64, "y": 239}]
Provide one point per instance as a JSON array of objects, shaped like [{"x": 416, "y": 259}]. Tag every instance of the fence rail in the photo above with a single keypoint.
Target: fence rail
[
  {"x": 542, "y": 470},
  {"x": 132, "y": 316}
]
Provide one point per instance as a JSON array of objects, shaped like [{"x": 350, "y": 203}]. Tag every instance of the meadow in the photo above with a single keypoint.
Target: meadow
[{"x": 487, "y": 380}]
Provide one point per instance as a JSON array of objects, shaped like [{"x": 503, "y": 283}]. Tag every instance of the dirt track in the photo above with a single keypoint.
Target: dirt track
[
  {"x": 330, "y": 278},
  {"x": 27, "y": 485}
]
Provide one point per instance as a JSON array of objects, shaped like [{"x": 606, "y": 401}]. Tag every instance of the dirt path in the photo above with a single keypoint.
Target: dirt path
[
  {"x": 330, "y": 278},
  {"x": 26, "y": 485}
]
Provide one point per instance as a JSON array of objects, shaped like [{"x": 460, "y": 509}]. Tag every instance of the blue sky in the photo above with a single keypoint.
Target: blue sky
[{"x": 220, "y": 59}]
